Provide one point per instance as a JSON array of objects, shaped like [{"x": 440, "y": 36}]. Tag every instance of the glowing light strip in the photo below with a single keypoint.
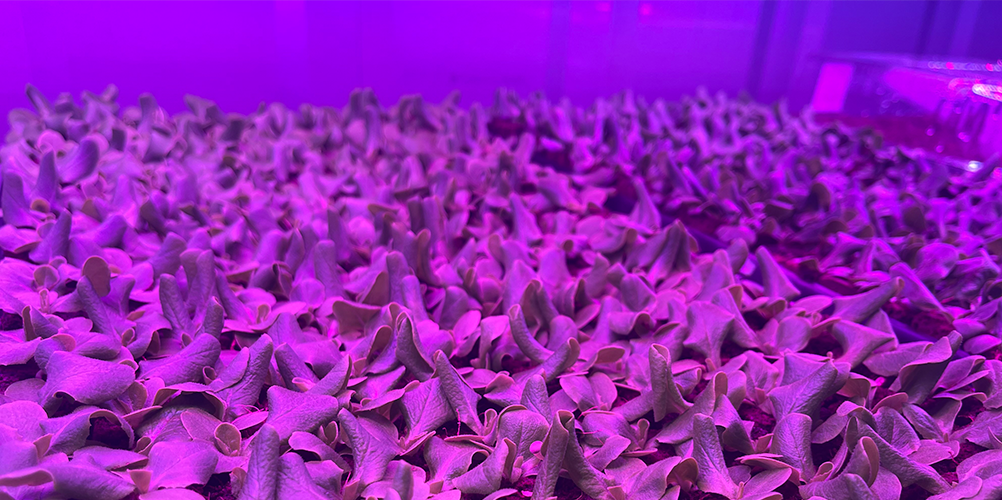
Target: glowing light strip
[
  {"x": 966, "y": 66},
  {"x": 987, "y": 90}
]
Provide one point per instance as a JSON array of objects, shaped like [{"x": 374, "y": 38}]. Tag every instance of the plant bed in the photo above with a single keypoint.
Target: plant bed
[{"x": 444, "y": 303}]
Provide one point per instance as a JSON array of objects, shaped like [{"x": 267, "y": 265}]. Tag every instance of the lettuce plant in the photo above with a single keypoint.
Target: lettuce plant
[{"x": 420, "y": 301}]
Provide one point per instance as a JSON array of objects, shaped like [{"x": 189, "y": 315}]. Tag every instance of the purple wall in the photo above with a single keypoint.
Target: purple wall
[
  {"x": 239, "y": 54},
  {"x": 242, "y": 53}
]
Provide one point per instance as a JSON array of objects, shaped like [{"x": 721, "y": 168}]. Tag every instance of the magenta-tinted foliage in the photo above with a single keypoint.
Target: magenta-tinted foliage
[{"x": 423, "y": 301}]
